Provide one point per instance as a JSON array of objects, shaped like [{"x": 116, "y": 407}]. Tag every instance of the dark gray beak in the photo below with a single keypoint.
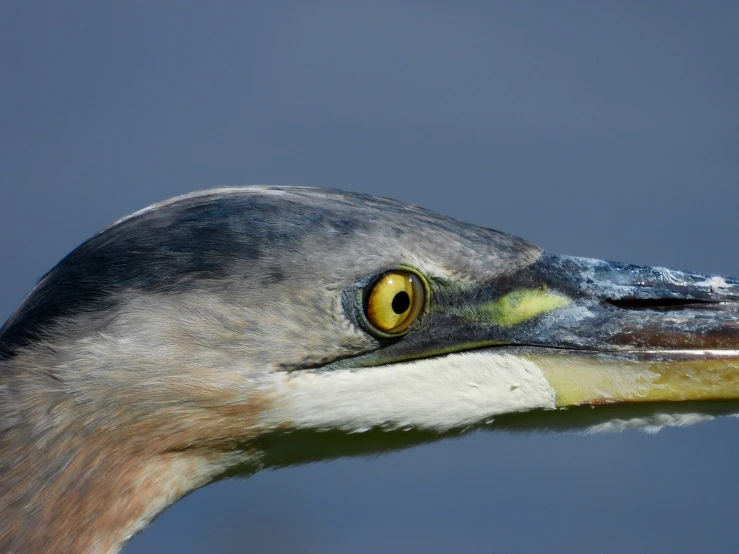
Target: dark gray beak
[
  {"x": 609, "y": 332},
  {"x": 628, "y": 308}
]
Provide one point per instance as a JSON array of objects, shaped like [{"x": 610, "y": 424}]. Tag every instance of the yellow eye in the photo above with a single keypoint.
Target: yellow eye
[{"x": 394, "y": 301}]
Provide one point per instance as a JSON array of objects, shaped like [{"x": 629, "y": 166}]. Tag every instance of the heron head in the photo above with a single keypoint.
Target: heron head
[
  {"x": 232, "y": 313},
  {"x": 248, "y": 327}
]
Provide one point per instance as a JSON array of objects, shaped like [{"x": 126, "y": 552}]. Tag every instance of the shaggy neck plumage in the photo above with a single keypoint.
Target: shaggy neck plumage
[
  {"x": 84, "y": 498},
  {"x": 76, "y": 480}
]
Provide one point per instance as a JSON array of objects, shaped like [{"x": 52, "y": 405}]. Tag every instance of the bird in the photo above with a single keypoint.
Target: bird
[{"x": 235, "y": 329}]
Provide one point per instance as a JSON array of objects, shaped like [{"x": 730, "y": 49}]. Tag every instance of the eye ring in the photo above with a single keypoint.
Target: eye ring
[{"x": 393, "y": 301}]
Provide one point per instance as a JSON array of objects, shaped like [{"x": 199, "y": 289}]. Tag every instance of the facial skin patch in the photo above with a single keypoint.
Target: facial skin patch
[{"x": 521, "y": 305}]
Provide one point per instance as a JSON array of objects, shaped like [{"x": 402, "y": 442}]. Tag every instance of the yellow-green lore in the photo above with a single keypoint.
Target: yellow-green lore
[{"x": 521, "y": 305}]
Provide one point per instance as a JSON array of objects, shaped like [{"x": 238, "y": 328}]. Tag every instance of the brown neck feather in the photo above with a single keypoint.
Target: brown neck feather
[
  {"x": 74, "y": 479},
  {"x": 94, "y": 504}
]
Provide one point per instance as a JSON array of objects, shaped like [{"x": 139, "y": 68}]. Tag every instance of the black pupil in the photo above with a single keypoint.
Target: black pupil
[{"x": 401, "y": 302}]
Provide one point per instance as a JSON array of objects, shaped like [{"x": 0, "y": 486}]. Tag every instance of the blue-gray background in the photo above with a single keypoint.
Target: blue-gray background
[{"x": 606, "y": 129}]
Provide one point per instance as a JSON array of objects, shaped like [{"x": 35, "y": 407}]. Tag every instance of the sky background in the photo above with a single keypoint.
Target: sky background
[{"x": 602, "y": 129}]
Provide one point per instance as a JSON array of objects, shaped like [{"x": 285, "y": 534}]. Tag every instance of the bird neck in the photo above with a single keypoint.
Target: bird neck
[
  {"x": 77, "y": 477},
  {"x": 89, "y": 500}
]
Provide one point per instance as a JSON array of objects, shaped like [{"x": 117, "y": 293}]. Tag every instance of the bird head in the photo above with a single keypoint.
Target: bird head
[
  {"x": 229, "y": 323},
  {"x": 294, "y": 309}
]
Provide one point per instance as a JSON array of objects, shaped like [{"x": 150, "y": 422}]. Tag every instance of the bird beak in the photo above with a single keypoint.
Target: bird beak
[{"x": 608, "y": 332}]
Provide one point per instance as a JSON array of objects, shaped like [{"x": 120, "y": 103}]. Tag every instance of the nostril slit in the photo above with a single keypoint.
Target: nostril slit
[{"x": 661, "y": 303}]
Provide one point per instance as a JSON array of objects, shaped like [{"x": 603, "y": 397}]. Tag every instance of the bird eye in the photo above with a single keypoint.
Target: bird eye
[{"x": 394, "y": 301}]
